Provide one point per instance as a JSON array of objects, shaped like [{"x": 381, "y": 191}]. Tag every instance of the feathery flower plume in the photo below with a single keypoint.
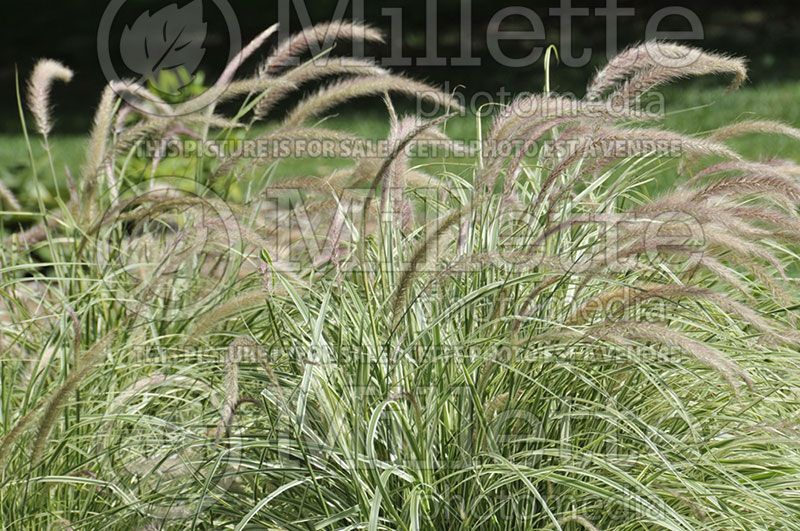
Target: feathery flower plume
[
  {"x": 241, "y": 303},
  {"x": 605, "y": 144},
  {"x": 311, "y": 71},
  {"x": 287, "y": 52},
  {"x": 8, "y": 197},
  {"x": 232, "y": 360},
  {"x": 82, "y": 368},
  {"x": 248, "y": 86},
  {"x": 209, "y": 98},
  {"x": 143, "y": 96},
  {"x": 412, "y": 271},
  {"x": 394, "y": 180},
  {"x": 161, "y": 129},
  {"x": 580, "y": 520},
  {"x": 637, "y": 141},
  {"x": 531, "y": 135},
  {"x": 749, "y": 127},
  {"x": 764, "y": 185},
  {"x": 629, "y": 61},
  {"x": 342, "y": 91},
  {"x": 525, "y": 111},
  {"x": 35, "y": 234},
  {"x": 650, "y": 79},
  {"x": 45, "y": 73},
  {"x": 629, "y": 296},
  {"x": 642, "y": 68},
  {"x": 98, "y": 143},
  {"x": 623, "y": 332},
  {"x": 398, "y": 148},
  {"x": 20, "y": 427},
  {"x": 735, "y": 166},
  {"x": 244, "y": 54}
]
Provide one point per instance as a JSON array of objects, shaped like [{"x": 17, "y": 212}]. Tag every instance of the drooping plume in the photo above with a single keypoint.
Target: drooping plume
[{"x": 45, "y": 73}]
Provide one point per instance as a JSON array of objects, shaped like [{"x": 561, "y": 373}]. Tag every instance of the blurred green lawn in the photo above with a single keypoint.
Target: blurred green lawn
[{"x": 691, "y": 110}]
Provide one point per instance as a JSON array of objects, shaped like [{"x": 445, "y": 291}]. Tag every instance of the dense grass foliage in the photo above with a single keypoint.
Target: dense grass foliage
[{"x": 506, "y": 341}]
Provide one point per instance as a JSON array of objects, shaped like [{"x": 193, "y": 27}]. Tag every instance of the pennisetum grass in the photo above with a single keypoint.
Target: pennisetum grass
[
  {"x": 342, "y": 91},
  {"x": 548, "y": 347},
  {"x": 320, "y": 36},
  {"x": 9, "y": 199},
  {"x": 45, "y": 73}
]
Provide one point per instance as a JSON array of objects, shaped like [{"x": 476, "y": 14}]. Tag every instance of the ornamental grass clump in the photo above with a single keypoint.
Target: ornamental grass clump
[{"x": 539, "y": 344}]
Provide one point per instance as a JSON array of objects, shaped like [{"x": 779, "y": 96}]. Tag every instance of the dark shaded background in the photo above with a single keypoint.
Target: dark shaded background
[{"x": 768, "y": 32}]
